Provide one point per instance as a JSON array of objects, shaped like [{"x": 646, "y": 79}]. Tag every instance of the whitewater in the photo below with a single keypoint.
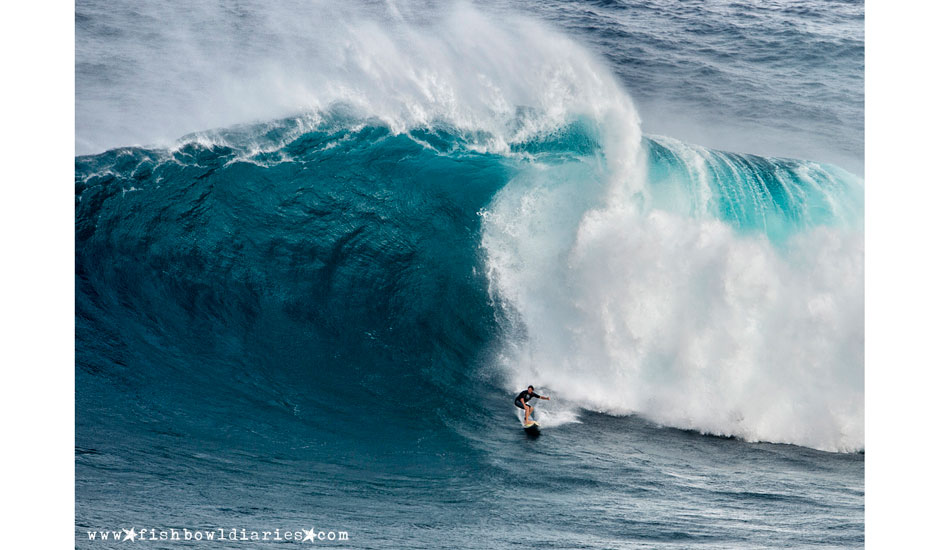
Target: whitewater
[{"x": 319, "y": 244}]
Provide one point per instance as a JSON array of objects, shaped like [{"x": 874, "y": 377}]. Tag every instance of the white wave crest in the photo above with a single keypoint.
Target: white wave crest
[{"x": 501, "y": 79}]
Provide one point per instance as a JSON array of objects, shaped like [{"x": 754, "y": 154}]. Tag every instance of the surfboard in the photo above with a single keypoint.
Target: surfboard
[{"x": 533, "y": 427}]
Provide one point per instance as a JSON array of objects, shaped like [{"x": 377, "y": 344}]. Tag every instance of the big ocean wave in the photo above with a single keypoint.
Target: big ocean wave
[{"x": 463, "y": 209}]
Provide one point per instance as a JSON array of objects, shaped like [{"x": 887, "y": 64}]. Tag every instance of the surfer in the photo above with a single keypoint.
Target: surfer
[{"x": 522, "y": 402}]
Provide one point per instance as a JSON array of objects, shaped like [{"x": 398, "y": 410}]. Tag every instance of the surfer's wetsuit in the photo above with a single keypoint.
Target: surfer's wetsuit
[{"x": 527, "y": 395}]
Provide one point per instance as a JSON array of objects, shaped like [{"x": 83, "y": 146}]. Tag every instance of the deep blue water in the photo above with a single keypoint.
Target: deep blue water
[{"x": 315, "y": 308}]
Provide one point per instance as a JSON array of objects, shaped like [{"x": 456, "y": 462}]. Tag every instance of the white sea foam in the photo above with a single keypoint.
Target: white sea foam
[{"x": 625, "y": 308}]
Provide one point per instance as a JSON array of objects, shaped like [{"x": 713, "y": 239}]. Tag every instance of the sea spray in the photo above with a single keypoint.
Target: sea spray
[{"x": 498, "y": 81}]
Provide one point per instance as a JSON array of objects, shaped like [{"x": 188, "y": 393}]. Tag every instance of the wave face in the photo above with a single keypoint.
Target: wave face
[
  {"x": 703, "y": 290},
  {"x": 311, "y": 277}
]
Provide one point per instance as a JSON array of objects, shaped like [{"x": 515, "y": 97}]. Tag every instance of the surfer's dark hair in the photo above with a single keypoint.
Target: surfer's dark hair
[{"x": 530, "y": 387}]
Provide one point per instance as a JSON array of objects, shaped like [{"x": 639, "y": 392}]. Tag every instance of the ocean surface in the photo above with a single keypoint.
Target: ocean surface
[{"x": 320, "y": 246}]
